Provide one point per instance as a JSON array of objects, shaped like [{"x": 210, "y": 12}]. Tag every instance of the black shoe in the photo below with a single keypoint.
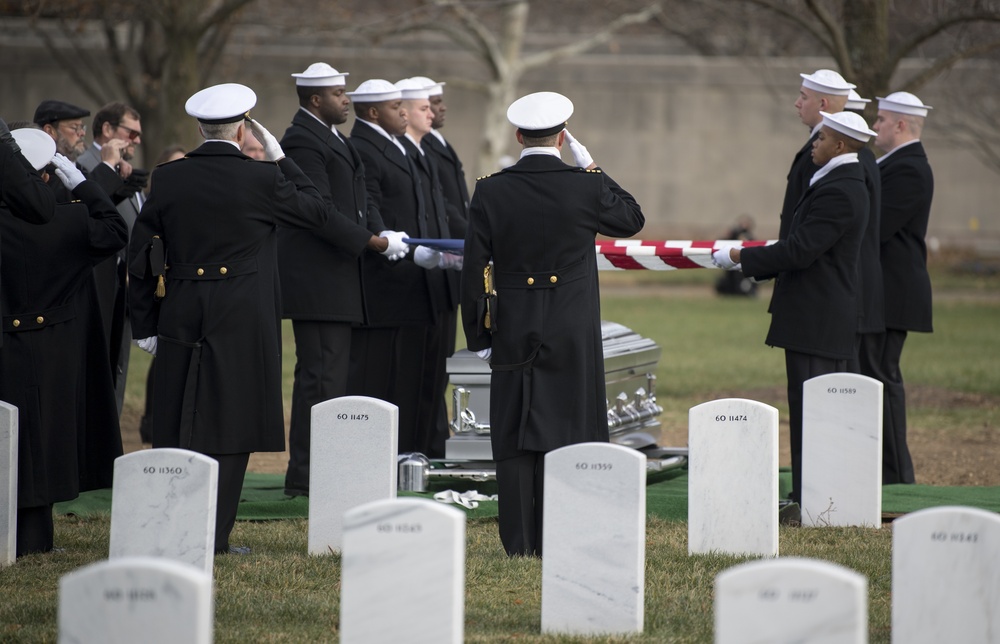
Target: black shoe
[
  {"x": 295, "y": 491},
  {"x": 789, "y": 513}
]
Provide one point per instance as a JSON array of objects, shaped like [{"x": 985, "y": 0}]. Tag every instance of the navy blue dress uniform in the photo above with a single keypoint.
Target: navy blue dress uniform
[
  {"x": 907, "y": 192},
  {"x": 212, "y": 219},
  {"x": 871, "y": 291},
  {"x": 537, "y": 221},
  {"x": 814, "y": 308},
  {"x": 322, "y": 288},
  {"x": 383, "y": 365},
  {"x": 53, "y": 365},
  {"x": 438, "y": 340}
]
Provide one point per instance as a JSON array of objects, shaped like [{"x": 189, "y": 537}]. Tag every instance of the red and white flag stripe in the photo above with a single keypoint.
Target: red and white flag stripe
[{"x": 669, "y": 255}]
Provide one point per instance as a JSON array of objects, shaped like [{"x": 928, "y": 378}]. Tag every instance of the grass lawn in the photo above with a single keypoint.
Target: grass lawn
[{"x": 712, "y": 347}]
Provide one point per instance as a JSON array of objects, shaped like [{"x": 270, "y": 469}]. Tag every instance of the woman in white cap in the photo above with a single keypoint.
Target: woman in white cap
[{"x": 814, "y": 311}]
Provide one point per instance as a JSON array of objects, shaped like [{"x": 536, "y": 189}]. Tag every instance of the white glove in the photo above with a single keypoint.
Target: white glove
[
  {"x": 485, "y": 354},
  {"x": 452, "y": 261},
  {"x": 272, "y": 150},
  {"x": 147, "y": 344},
  {"x": 722, "y": 259},
  {"x": 580, "y": 154},
  {"x": 67, "y": 171},
  {"x": 397, "y": 247},
  {"x": 425, "y": 257}
]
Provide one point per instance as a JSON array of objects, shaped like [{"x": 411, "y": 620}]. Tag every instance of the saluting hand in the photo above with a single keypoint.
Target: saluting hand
[
  {"x": 580, "y": 153},
  {"x": 272, "y": 149},
  {"x": 67, "y": 171}
]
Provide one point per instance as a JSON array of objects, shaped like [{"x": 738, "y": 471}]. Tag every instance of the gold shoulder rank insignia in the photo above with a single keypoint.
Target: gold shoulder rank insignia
[
  {"x": 485, "y": 176},
  {"x": 596, "y": 170}
]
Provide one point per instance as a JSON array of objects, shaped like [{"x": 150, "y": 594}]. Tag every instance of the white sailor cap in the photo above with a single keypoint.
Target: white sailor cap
[
  {"x": 540, "y": 114},
  {"x": 218, "y": 104},
  {"x": 375, "y": 90},
  {"x": 433, "y": 88},
  {"x": 411, "y": 89},
  {"x": 827, "y": 81},
  {"x": 320, "y": 75},
  {"x": 36, "y": 146},
  {"x": 904, "y": 103},
  {"x": 849, "y": 123},
  {"x": 855, "y": 102}
]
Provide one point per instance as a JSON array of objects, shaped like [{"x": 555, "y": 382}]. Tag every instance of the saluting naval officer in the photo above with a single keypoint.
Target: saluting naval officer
[
  {"x": 907, "y": 192},
  {"x": 54, "y": 363},
  {"x": 814, "y": 312},
  {"x": 537, "y": 221},
  {"x": 320, "y": 270},
  {"x": 21, "y": 187},
  {"x": 203, "y": 287}
]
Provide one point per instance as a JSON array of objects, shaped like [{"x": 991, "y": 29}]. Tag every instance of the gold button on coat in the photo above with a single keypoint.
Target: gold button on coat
[
  {"x": 16, "y": 323},
  {"x": 39, "y": 319},
  {"x": 553, "y": 279},
  {"x": 223, "y": 270},
  {"x": 531, "y": 280},
  {"x": 200, "y": 271}
]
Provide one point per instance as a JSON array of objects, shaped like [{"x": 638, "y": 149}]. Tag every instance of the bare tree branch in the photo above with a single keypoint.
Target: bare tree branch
[
  {"x": 923, "y": 77},
  {"x": 907, "y": 47},
  {"x": 836, "y": 42},
  {"x": 796, "y": 19},
  {"x": 545, "y": 57}
]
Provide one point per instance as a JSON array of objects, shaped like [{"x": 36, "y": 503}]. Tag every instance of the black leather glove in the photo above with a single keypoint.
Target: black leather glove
[
  {"x": 7, "y": 137},
  {"x": 137, "y": 180}
]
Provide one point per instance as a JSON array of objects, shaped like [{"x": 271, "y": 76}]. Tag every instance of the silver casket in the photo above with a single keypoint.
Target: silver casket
[{"x": 630, "y": 373}]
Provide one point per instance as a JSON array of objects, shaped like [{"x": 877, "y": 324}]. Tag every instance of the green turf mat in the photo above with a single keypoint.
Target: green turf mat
[{"x": 263, "y": 497}]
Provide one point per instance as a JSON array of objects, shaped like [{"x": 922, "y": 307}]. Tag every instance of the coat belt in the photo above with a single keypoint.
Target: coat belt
[
  {"x": 206, "y": 271},
  {"x": 549, "y": 278},
  {"x": 32, "y": 321}
]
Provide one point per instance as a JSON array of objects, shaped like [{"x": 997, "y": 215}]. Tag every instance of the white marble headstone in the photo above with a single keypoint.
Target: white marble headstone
[
  {"x": 946, "y": 576},
  {"x": 403, "y": 573},
  {"x": 733, "y": 478},
  {"x": 8, "y": 484},
  {"x": 163, "y": 505},
  {"x": 352, "y": 458},
  {"x": 805, "y": 601},
  {"x": 136, "y": 599},
  {"x": 594, "y": 540},
  {"x": 842, "y": 451}
]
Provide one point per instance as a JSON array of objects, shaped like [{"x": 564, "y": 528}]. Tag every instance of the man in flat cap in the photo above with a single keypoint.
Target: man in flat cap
[
  {"x": 54, "y": 363},
  {"x": 814, "y": 306},
  {"x": 64, "y": 123},
  {"x": 537, "y": 221},
  {"x": 204, "y": 292},
  {"x": 907, "y": 191},
  {"x": 321, "y": 281}
]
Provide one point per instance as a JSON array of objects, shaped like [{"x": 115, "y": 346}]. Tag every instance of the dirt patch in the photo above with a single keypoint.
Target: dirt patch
[{"x": 942, "y": 455}]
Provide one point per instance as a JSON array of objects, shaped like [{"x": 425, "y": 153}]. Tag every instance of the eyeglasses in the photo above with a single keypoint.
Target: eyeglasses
[
  {"x": 78, "y": 128},
  {"x": 132, "y": 134}
]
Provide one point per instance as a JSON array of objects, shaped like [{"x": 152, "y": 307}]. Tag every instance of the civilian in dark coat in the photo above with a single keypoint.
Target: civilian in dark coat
[
  {"x": 907, "y": 191},
  {"x": 814, "y": 314},
  {"x": 320, "y": 270},
  {"x": 217, "y": 322},
  {"x": 54, "y": 364},
  {"x": 537, "y": 220}
]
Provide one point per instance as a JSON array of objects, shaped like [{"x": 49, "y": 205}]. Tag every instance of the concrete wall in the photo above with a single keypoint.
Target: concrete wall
[{"x": 697, "y": 140}]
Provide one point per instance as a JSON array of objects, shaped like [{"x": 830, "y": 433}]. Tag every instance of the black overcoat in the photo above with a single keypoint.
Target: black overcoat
[
  {"x": 320, "y": 269},
  {"x": 814, "y": 305},
  {"x": 452, "y": 175},
  {"x": 871, "y": 299},
  {"x": 403, "y": 296},
  {"x": 797, "y": 182},
  {"x": 907, "y": 191},
  {"x": 538, "y": 220},
  {"x": 218, "y": 361},
  {"x": 54, "y": 363}
]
